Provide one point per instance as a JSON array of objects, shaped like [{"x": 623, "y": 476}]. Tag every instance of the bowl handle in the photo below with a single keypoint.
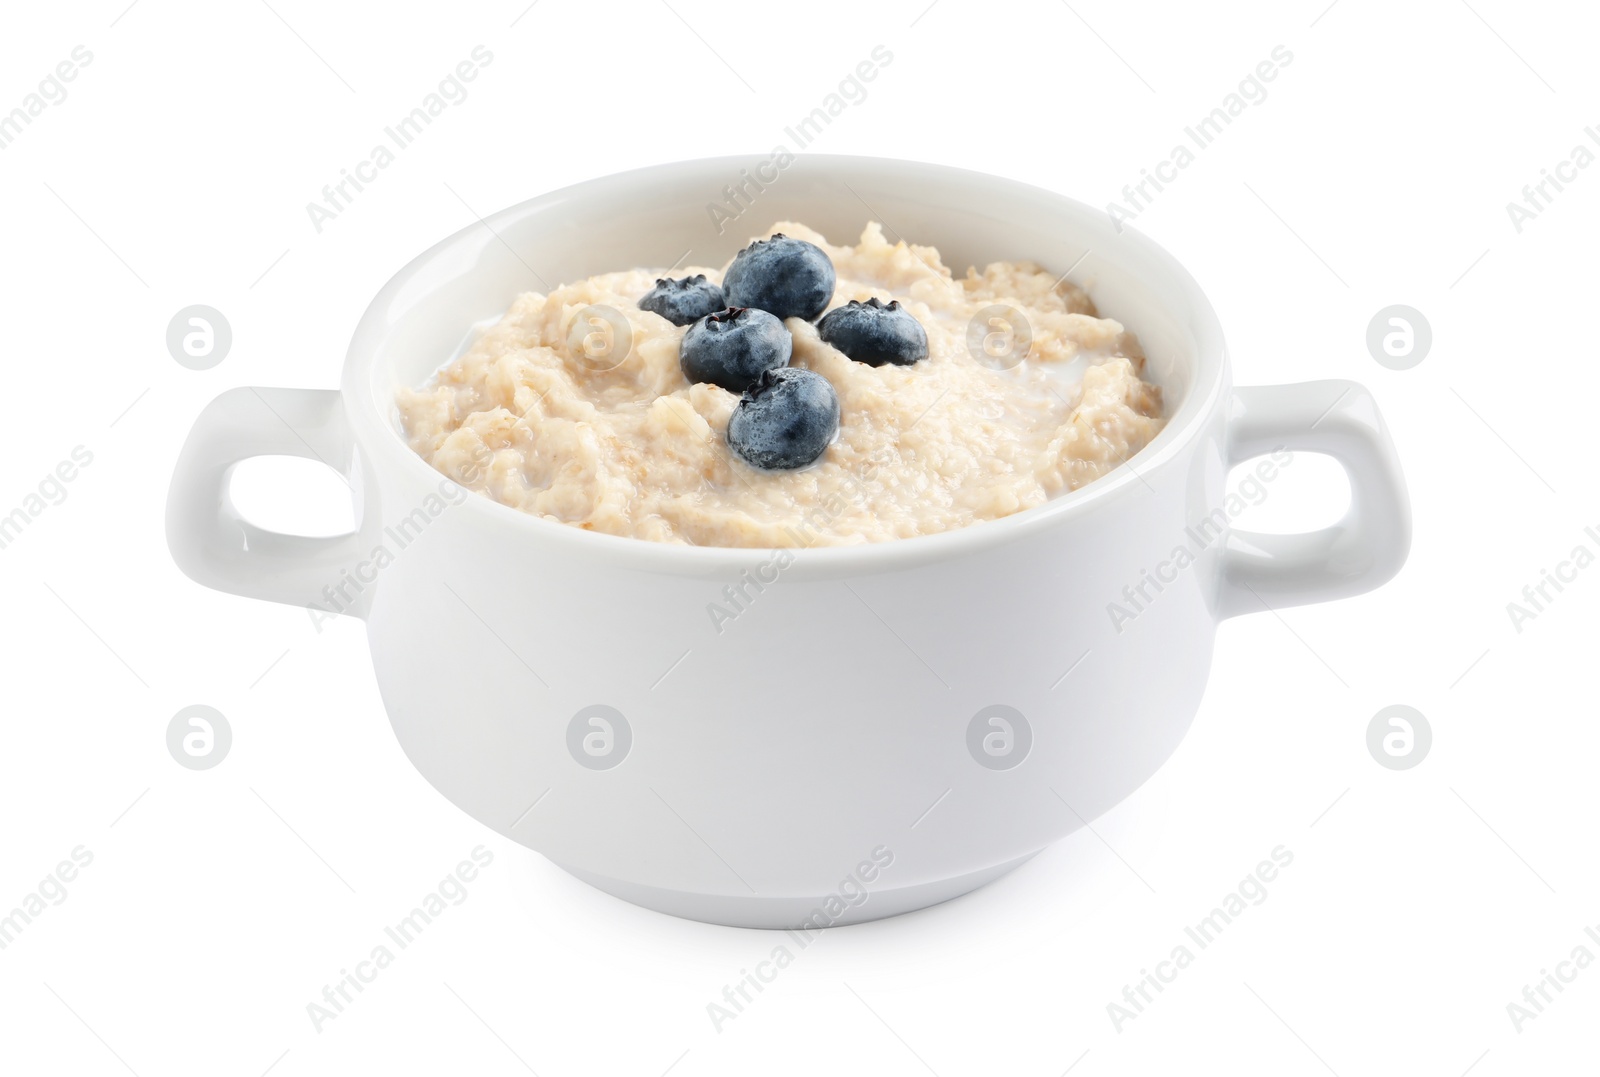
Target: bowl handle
[
  {"x": 216, "y": 546},
  {"x": 1365, "y": 548}
]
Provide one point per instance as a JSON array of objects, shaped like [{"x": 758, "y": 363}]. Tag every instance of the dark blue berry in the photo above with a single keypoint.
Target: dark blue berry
[
  {"x": 683, "y": 301},
  {"x": 787, "y": 277},
  {"x": 732, "y": 348},
  {"x": 875, "y": 333},
  {"x": 785, "y": 420}
]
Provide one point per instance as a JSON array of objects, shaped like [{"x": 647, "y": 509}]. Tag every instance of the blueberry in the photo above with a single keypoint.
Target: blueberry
[
  {"x": 875, "y": 333},
  {"x": 785, "y": 420},
  {"x": 683, "y": 301},
  {"x": 787, "y": 277},
  {"x": 732, "y": 347}
]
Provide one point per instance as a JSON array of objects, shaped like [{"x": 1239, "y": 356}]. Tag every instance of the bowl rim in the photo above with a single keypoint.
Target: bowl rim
[{"x": 1209, "y": 377}]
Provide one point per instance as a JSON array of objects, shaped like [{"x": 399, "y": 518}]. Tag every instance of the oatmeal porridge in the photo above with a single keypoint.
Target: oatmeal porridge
[{"x": 807, "y": 394}]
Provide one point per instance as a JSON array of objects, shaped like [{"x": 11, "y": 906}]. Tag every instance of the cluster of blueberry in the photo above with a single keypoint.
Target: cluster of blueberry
[{"x": 736, "y": 339}]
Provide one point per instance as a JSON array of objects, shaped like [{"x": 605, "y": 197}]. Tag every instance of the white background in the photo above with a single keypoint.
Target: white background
[{"x": 1419, "y": 902}]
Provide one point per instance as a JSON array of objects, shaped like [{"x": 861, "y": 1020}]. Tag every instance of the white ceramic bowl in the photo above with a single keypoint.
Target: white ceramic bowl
[{"x": 881, "y": 728}]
